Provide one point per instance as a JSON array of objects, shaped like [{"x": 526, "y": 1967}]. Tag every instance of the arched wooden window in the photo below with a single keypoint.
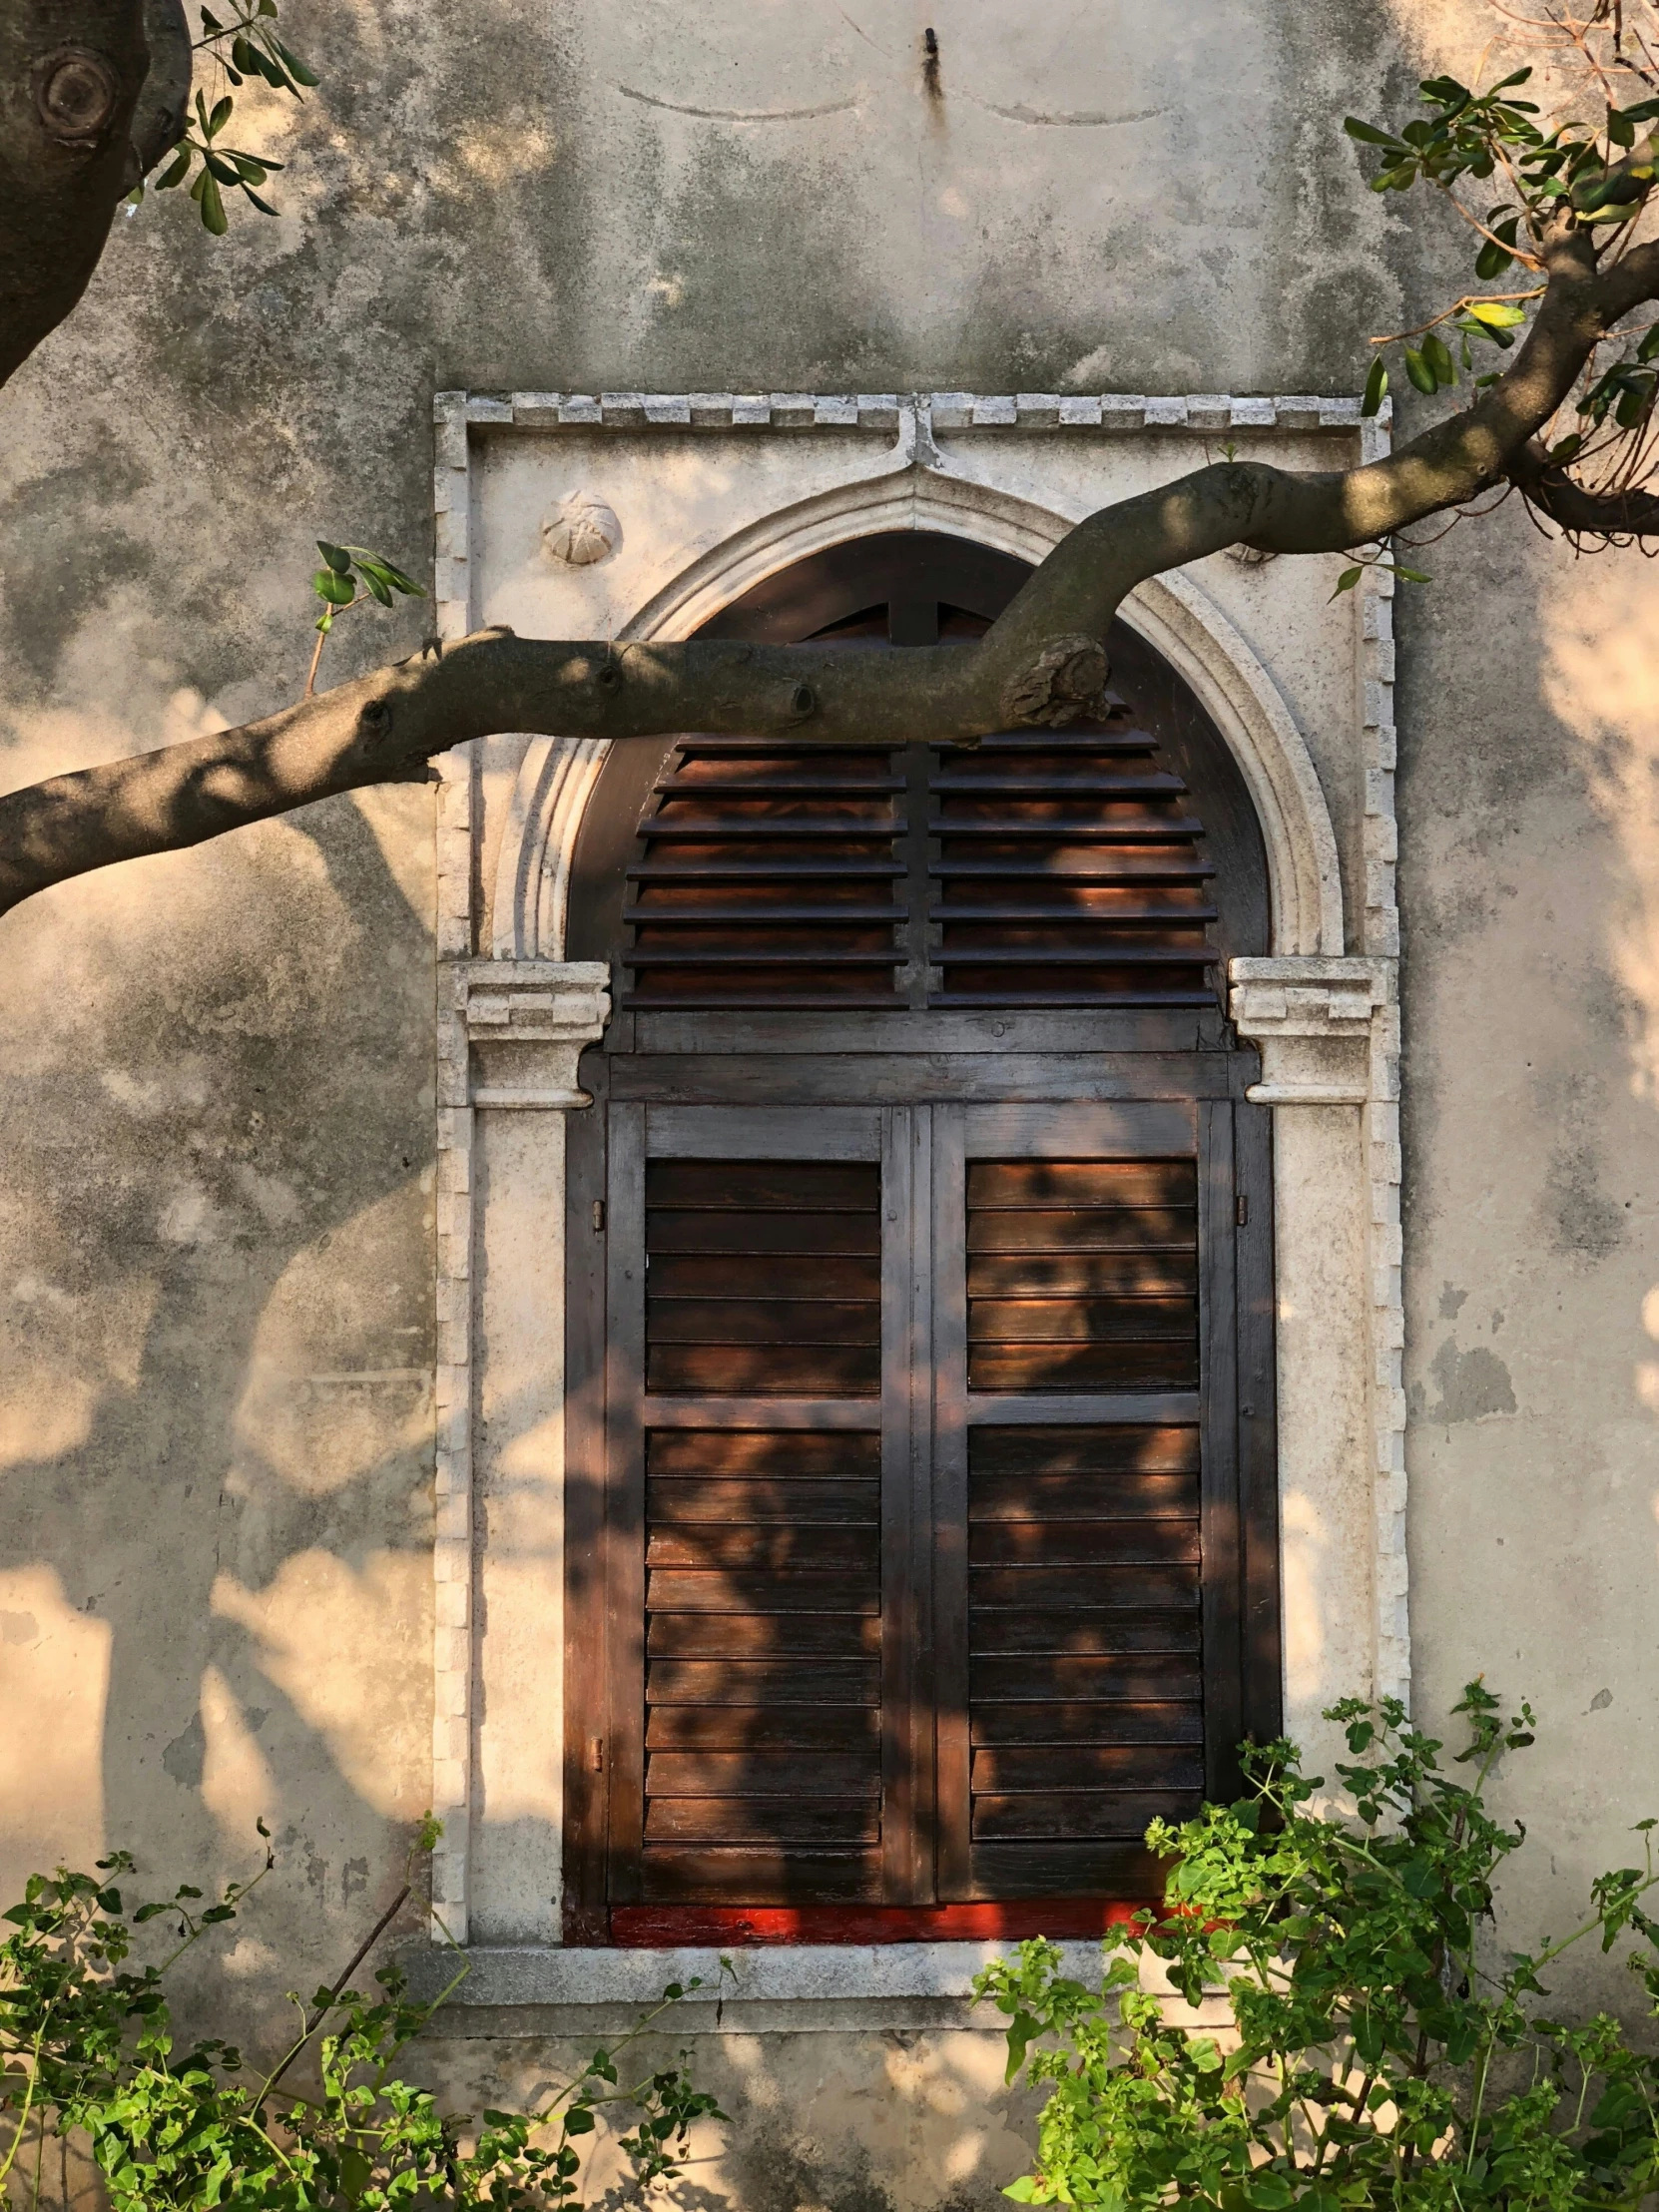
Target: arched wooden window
[{"x": 922, "y": 1512}]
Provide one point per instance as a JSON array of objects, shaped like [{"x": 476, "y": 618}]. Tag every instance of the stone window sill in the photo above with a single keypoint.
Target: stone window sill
[{"x": 524, "y": 1990}]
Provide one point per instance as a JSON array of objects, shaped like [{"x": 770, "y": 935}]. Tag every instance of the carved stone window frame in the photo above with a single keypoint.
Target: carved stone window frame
[{"x": 513, "y": 1015}]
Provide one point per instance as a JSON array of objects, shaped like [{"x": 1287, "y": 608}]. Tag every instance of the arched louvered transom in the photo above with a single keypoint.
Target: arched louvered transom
[{"x": 1055, "y": 869}]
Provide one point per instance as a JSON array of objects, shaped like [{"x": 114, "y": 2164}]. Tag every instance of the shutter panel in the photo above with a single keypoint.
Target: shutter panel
[
  {"x": 1082, "y": 1274},
  {"x": 1067, "y": 874},
  {"x": 763, "y": 1595},
  {"x": 1058, "y": 869},
  {"x": 1074, "y": 1542},
  {"x": 1085, "y": 1696},
  {"x": 769, "y": 878}
]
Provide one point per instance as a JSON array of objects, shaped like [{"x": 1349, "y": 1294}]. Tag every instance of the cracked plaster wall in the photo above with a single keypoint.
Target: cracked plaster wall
[{"x": 215, "y": 1117}]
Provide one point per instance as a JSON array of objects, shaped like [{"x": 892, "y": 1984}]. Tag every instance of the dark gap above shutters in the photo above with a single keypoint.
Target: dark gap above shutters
[
  {"x": 1042, "y": 868},
  {"x": 1085, "y": 1692}
]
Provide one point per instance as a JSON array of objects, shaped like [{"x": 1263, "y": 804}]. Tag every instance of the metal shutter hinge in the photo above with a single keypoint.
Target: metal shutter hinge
[
  {"x": 596, "y": 1755},
  {"x": 598, "y": 1216},
  {"x": 1241, "y": 1209}
]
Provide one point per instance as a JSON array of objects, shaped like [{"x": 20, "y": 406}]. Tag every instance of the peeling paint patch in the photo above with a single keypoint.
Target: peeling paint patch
[
  {"x": 1472, "y": 1384},
  {"x": 187, "y": 1756},
  {"x": 1582, "y": 1221}
]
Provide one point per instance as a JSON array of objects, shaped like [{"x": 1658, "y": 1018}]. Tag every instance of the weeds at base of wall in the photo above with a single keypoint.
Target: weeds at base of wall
[
  {"x": 1360, "y": 2039},
  {"x": 87, "y": 2058},
  {"x": 1355, "y": 2038}
]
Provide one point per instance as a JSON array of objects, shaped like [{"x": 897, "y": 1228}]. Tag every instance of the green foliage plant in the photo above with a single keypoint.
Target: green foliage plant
[
  {"x": 1515, "y": 176},
  {"x": 336, "y": 583},
  {"x": 247, "y": 46},
  {"x": 88, "y": 2054},
  {"x": 1374, "y": 2048}
]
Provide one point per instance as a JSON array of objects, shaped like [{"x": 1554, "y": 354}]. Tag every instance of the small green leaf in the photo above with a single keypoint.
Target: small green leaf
[
  {"x": 1376, "y": 386},
  {"x": 1492, "y": 261},
  {"x": 381, "y": 567},
  {"x": 1346, "y": 582},
  {"x": 176, "y": 171},
  {"x": 1497, "y": 315},
  {"x": 338, "y": 557},
  {"x": 1437, "y": 356},
  {"x": 1368, "y": 133},
  {"x": 1409, "y": 575},
  {"x": 1421, "y": 375},
  {"x": 295, "y": 66},
  {"x": 1269, "y": 2191},
  {"x": 330, "y": 585},
  {"x": 213, "y": 207},
  {"x": 221, "y": 116}
]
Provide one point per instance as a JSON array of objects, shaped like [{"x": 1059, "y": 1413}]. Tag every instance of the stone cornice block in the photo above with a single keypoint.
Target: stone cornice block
[
  {"x": 526, "y": 1023},
  {"x": 1306, "y": 997}
]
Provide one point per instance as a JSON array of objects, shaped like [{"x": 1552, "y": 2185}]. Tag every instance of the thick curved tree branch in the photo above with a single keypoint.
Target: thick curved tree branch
[
  {"x": 1602, "y": 514},
  {"x": 71, "y": 76},
  {"x": 163, "y": 105},
  {"x": 1040, "y": 663}
]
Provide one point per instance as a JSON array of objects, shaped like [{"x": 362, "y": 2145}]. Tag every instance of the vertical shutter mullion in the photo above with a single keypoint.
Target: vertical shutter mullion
[
  {"x": 624, "y": 1747},
  {"x": 1219, "y": 1531},
  {"x": 950, "y": 1503},
  {"x": 899, "y": 1812},
  {"x": 1258, "y": 1425}
]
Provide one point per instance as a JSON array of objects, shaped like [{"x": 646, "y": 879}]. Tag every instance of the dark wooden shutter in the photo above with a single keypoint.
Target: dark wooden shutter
[
  {"x": 1037, "y": 868},
  {"x": 758, "y": 1778},
  {"x": 937, "y": 1549},
  {"x": 1085, "y": 1691},
  {"x": 1058, "y": 869},
  {"x": 1074, "y": 1442},
  {"x": 1082, "y": 1274},
  {"x": 769, "y": 877},
  {"x": 1066, "y": 871}
]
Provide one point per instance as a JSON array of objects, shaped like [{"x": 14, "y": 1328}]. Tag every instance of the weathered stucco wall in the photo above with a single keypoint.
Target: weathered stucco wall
[{"x": 215, "y": 1228}]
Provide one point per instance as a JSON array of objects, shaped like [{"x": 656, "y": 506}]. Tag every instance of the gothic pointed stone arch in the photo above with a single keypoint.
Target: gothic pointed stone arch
[{"x": 1173, "y": 613}]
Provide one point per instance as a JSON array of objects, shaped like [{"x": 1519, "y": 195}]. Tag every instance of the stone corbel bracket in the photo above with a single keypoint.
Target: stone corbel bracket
[
  {"x": 1313, "y": 1019},
  {"x": 526, "y": 1025}
]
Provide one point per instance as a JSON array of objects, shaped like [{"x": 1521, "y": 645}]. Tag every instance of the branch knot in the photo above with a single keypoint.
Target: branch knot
[{"x": 1064, "y": 683}]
